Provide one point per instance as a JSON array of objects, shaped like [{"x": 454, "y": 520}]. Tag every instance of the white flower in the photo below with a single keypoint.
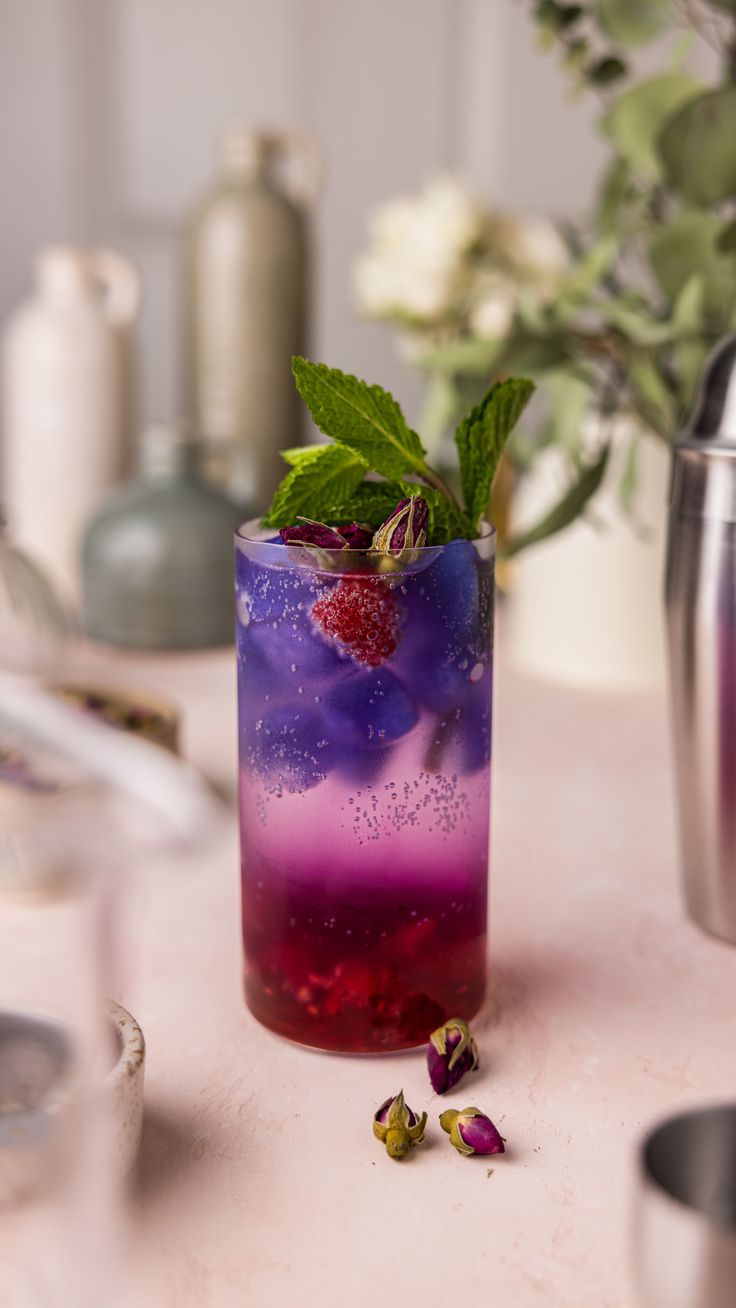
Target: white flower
[
  {"x": 415, "y": 259},
  {"x": 442, "y": 219},
  {"x": 492, "y": 315},
  {"x": 388, "y": 285},
  {"x": 534, "y": 246}
]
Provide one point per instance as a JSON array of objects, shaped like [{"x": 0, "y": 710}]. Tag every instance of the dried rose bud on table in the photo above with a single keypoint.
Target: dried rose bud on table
[
  {"x": 471, "y": 1132},
  {"x": 451, "y": 1053},
  {"x": 397, "y": 1126}
]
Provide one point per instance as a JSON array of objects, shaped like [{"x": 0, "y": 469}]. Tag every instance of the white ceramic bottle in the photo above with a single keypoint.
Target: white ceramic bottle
[{"x": 66, "y": 402}]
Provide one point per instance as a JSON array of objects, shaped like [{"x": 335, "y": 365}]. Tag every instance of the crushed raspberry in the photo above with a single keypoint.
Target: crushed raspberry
[{"x": 362, "y": 614}]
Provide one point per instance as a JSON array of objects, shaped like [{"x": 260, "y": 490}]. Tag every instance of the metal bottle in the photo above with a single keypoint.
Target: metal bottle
[
  {"x": 701, "y": 619},
  {"x": 246, "y": 292}
]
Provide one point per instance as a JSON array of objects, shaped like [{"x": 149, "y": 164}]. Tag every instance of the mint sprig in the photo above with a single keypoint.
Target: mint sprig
[
  {"x": 371, "y": 435},
  {"x": 326, "y": 474},
  {"x": 482, "y": 436},
  {"x": 371, "y": 502},
  {"x": 365, "y": 418}
]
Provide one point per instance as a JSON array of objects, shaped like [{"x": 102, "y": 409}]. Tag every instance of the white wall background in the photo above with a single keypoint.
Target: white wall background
[{"x": 110, "y": 114}]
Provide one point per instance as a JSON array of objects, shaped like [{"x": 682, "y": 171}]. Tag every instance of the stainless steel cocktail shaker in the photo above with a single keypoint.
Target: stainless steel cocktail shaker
[{"x": 701, "y": 618}]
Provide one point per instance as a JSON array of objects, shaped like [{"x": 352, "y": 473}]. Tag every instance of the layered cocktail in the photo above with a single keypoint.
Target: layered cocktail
[
  {"x": 365, "y": 639},
  {"x": 365, "y": 743}
]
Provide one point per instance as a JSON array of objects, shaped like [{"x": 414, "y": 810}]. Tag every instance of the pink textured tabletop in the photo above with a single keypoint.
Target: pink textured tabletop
[{"x": 260, "y": 1182}]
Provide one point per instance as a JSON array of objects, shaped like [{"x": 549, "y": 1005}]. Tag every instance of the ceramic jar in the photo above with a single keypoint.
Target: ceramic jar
[
  {"x": 66, "y": 403},
  {"x": 585, "y": 607},
  {"x": 157, "y": 558}
]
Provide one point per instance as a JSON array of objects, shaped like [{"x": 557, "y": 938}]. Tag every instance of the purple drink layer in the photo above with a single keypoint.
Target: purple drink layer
[{"x": 365, "y": 723}]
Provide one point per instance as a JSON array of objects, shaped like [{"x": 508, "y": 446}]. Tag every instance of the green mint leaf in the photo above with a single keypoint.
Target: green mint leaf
[
  {"x": 371, "y": 502},
  {"x": 331, "y": 473},
  {"x": 302, "y": 454},
  {"x": 364, "y": 418},
  {"x": 445, "y": 519},
  {"x": 481, "y": 438}
]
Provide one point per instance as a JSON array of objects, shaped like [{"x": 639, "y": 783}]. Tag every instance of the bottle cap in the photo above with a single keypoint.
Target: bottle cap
[
  {"x": 246, "y": 150},
  {"x": 166, "y": 451},
  {"x": 61, "y": 270}
]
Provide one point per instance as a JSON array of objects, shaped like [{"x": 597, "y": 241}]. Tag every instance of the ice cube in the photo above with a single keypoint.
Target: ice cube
[
  {"x": 271, "y": 594},
  {"x": 449, "y": 590},
  {"x": 474, "y": 726},
  {"x": 288, "y": 655},
  {"x": 287, "y": 747},
  {"x": 370, "y": 709},
  {"x": 361, "y": 766}
]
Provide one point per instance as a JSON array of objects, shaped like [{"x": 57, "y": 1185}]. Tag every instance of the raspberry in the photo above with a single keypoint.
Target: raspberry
[{"x": 362, "y": 614}]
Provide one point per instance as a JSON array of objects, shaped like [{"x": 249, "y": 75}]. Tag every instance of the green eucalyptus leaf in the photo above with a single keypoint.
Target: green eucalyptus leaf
[
  {"x": 557, "y": 17},
  {"x": 468, "y": 356},
  {"x": 726, "y": 242},
  {"x": 637, "y": 323},
  {"x": 569, "y": 399},
  {"x": 689, "y": 307},
  {"x": 655, "y": 395},
  {"x": 632, "y": 22},
  {"x": 687, "y": 246},
  {"x": 576, "y": 55},
  {"x": 532, "y": 312},
  {"x": 606, "y": 71},
  {"x": 681, "y": 51},
  {"x": 630, "y": 475},
  {"x": 698, "y": 150},
  {"x": 533, "y": 354},
  {"x": 635, "y": 121},
  {"x": 688, "y": 358},
  {"x": 566, "y": 510},
  {"x": 612, "y": 196},
  {"x": 590, "y": 268}
]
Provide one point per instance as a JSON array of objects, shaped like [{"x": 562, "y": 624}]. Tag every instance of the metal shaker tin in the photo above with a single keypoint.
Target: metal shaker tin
[{"x": 700, "y": 594}]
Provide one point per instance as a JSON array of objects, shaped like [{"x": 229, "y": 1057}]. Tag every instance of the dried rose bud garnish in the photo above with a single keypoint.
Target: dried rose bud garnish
[
  {"x": 404, "y": 531},
  {"x": 451, "y": 1053},
  {"x": 356, "y": 536},
  {"x": 397, "y": 1126},
  {"x": 318, "y": 534},
  {"x": 471, "y": 1132}
]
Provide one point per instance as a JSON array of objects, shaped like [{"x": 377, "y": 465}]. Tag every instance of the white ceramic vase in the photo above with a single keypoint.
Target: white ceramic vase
[
  {"x": 65, "y": 403},
  {"x": 586, "y": 605}
]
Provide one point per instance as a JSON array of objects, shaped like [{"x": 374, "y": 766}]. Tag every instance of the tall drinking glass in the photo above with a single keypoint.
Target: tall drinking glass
[{"x": 364, "y": 690}]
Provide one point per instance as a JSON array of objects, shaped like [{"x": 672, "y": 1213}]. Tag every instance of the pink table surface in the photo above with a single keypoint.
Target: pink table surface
[{"x": 259, "y": 1180}]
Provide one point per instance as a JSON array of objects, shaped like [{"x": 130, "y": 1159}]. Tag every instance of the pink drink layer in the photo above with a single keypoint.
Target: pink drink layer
[
  {"x": 364, "y": 798},
  {"x": 364, "y": 906}
]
